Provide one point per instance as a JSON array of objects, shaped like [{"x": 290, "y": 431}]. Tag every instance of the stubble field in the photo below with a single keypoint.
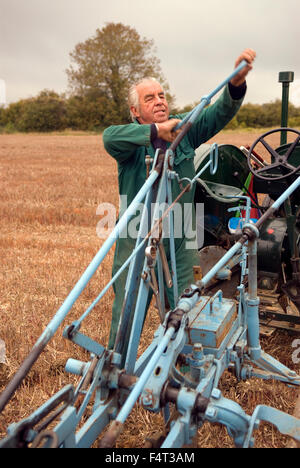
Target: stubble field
[{"x": 51, "y": 186}]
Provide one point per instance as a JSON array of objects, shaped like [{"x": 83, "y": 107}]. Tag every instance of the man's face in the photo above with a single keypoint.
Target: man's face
[{"x": 153, "y": 106}]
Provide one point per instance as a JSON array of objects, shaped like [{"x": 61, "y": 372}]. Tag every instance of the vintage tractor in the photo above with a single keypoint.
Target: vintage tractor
[
  {"x": 207, "y": 333},
  {"x": 261, "y": 173}
]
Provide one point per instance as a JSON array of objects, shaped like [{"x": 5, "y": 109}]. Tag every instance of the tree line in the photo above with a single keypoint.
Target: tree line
[
  {"x": 101, "y": 71},
  {"x": 50, "y": 111}
]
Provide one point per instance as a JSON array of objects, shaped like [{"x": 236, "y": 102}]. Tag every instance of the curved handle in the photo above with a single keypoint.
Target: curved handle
[{"x": 214, "y": 158}]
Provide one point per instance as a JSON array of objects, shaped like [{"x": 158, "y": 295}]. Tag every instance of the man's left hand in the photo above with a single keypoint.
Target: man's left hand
[{"x": 248, "y": 55}]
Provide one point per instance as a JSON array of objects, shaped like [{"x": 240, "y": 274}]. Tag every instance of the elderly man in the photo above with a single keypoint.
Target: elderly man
[{"x": 153, "y": 128}]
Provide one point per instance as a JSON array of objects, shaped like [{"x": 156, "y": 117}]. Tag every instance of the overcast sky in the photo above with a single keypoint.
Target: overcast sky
[{"x": 197, "y": 42}]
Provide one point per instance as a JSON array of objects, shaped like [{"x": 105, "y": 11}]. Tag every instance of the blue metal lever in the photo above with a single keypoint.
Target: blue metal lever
[{"x": 205, "y": 100}]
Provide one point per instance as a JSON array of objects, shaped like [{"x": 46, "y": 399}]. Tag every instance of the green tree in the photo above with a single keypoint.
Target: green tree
[
  {"x": 44, "y": 113},
  {"x": 108, "y": 63},
  {"x": 88, "y": 113},
  {"x": 2, "y": 116},
  {"x": 12, "y": 115}
]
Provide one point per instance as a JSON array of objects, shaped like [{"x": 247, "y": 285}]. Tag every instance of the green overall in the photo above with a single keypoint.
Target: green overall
[{"x": 129, "y": 145}]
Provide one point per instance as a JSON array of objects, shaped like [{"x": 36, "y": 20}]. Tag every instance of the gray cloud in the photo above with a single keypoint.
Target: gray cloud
[{"x": 197, "y": 42}]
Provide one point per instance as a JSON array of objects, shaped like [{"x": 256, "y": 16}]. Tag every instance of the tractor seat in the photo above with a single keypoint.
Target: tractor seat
[{"x": 220, "y": 192}]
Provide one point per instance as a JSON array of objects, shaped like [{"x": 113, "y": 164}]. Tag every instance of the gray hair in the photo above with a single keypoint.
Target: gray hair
[{"x": 133, "y": 97}]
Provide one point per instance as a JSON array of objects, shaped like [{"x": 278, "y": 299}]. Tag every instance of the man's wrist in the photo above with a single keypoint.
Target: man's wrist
[
  {"x": 237, "y": 92},
  {"x": 153, "y": 131}
]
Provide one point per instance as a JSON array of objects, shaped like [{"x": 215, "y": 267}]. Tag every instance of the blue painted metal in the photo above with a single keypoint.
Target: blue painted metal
[
  {"x": 211, "y": 333},
  {"x": 286, "y": 194},
  {"x": 134, "y": 395},
  {"x": 210, "y": 320},
  {"x": 172, "y": 243},
  {"x": 221, "y": 263}
]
